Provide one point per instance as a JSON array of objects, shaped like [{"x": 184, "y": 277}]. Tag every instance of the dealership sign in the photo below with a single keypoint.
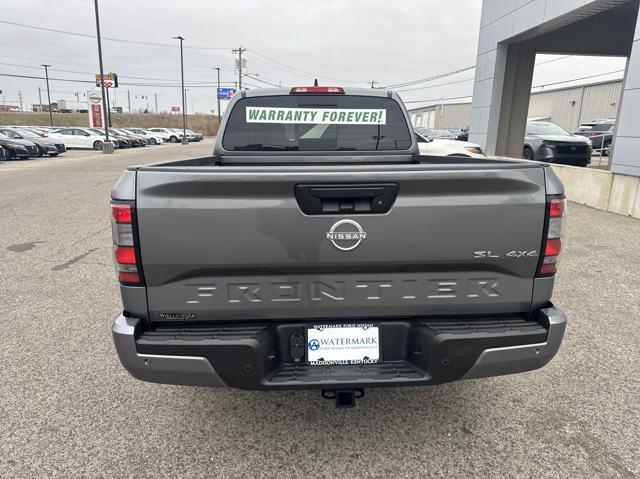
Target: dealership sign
[
  {"x": 96, "y": 116},
  {"x": 110, "y": 80},
  {"x": 226, "y": 93}
]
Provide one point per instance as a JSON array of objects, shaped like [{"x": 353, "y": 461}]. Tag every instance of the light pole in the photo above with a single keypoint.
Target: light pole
[
  {"x": 46, "y": 74},
  {"x": 185, "y": 140},
  {"x": 218, "y": 96},
  {"x": 107, "y": 146}
]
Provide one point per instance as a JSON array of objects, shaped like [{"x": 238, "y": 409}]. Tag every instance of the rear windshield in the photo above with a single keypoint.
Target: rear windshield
[
  {"x": 309, "y": 123},
  {"x": 602, "y": 127}
]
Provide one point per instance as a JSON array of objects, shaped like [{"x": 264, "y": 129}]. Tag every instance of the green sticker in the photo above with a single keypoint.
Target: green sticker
[{"x": 316, "y": 116}]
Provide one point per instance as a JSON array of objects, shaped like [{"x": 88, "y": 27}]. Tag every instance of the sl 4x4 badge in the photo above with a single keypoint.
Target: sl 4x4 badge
[{"x": 510, "y": 254}]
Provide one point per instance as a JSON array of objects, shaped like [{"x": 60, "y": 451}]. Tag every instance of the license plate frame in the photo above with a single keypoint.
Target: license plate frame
[{"x": 341, "y": 344}]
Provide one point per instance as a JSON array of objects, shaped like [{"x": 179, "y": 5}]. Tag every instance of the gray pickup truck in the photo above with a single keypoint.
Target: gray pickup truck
[{"x": 316, "y": 248}]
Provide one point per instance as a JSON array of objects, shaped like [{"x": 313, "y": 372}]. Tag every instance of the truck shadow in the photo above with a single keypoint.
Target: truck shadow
[{"x": 306, "y": 417}]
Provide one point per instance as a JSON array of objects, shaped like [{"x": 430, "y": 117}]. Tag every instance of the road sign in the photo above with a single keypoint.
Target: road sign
[
  {"x": 110, "y": 80},
  {"x": 226, "y": 93}
]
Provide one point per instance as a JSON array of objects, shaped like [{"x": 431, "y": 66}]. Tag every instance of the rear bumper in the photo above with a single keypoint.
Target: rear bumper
[{"x": 417, "y": 352}]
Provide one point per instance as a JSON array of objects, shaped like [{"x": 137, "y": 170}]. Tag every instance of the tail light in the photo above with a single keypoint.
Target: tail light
[
  {"x": 125, "y": 252},
  {"x": 335, "y": 90},
  {"x": 552, "y": 244}
]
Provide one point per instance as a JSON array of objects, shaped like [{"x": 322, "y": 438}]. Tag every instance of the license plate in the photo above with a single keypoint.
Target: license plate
[{"x": 343, "y": 344}]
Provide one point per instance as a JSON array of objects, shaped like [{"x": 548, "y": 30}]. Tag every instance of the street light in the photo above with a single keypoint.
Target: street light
[
  {"x": 46, "y": 74},
  {"x": 107, "y": 146},
  {"x": 185, "y": 140},
  {"x": 218, "y": 96}
]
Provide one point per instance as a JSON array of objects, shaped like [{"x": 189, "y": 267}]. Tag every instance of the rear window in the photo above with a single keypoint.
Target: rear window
[
  {"x": 309, "y": 123},
  {"x": 602, "y": 127}
]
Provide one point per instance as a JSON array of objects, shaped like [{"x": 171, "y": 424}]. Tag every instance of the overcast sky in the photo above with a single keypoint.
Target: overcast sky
[{"x": 342, "y": 42}]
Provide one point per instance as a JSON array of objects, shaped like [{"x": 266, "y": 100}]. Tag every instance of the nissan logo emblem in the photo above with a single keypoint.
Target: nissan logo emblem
[{"x": 346, "y": 235}]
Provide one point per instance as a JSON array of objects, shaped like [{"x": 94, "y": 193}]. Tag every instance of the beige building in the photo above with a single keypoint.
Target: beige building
[{"x": 566, "y": 107}]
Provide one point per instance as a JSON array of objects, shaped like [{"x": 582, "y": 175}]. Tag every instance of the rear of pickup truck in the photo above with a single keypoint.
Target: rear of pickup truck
[{"x": 333, "y": 256}]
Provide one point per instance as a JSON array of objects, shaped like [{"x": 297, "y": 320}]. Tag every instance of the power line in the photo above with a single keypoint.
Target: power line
[
  {"x": 53, "y": 60},
  {"x": 431, "y": 78},
  {"x": 121, "y": 40},
  {"x": 437, "y": 85},
  {"x": 292, "y": 68},
  {"x": 535, "y": 86},
  {"x": 155, "y": 85},
  {"x": 455, "y": 72},
  {"x": 438, "y": 99},
  {"x": 260, "y": 80}
]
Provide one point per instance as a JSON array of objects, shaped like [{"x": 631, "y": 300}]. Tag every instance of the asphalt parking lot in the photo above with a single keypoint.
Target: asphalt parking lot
[{"x": 70, "y": 410}]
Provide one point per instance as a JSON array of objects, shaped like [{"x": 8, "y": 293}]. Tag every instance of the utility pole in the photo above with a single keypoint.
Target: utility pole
[
  {"x": 107, "y": 146},
  {"x": 185, "y": 140},
  {"x": 20, "y": 97},
  {"x": 108, "y": 112},
  {"x": 40, "y": 98},
  {"x": 239, "y": 51},
  {"x": 46, "y": 74},
  {"x": 155, "y": 95},
  {"x": 218, "y": 96},
  {"x": 129, "y": 101},
  {"x": 373, "y": 83},
  {"x": 185, "y": 111}
]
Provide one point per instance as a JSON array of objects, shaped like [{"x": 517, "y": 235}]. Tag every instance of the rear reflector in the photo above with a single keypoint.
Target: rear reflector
[
  {"x": 128, "y": 277},
  {"x": 317, "y": 89}
]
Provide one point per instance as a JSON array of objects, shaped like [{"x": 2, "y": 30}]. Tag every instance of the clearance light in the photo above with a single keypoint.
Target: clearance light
[{"x": 335, "y": 90}]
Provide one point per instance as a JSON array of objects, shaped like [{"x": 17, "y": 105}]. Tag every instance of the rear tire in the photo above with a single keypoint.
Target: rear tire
[
  {"x": 52, "y": 155},
  {"x": 153, "y": 141},
  {"x": 606, "y": 148},
  {"x": 173, "y": 139},
  {"x": 97, "y": 145},
  {"x": 527, "y": 153}
]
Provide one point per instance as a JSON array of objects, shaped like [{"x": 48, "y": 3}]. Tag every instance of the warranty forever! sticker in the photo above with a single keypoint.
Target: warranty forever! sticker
[{"x": 316, "y": 116}]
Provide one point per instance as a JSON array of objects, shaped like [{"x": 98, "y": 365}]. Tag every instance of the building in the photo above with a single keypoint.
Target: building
[
  {"x": 567, "y": 107},
  {"x": 512, "y": 32}
]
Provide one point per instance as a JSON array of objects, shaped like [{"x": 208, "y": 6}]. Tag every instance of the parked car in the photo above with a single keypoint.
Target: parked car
[
  {"x": 601, "y": 136},
  {"x": 442, "y": 147},
  {"x": 118, "y": 141},
  {"x": 196, "y": 136},
  {"x": 78, "y": 138},
  {"x": 442, "y": 134},
  {"x": 180, "y": 133},
  {"x": 361, "y": 263},
  {"x": 135, "y": 140},
  {"x": 154, "y": 139},
  {"x": 4, "y": 154},
  {"x": 46, "y": 146},
  {"x": 463, "y": 135},
  {"x": 168, "y": 134},
  {"x": 548, "y": 142},
  {"x": 18, "y": 149}
]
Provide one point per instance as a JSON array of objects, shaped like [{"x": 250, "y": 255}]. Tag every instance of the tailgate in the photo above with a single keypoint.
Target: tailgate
[{"x": 234, "y": 242}]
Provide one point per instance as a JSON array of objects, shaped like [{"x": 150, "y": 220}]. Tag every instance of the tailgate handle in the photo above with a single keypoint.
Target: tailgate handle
[{"x": 375, "y": 198}]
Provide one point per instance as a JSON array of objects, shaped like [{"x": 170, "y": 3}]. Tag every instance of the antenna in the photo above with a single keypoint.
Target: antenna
[{"x": 315, "y": 82}]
